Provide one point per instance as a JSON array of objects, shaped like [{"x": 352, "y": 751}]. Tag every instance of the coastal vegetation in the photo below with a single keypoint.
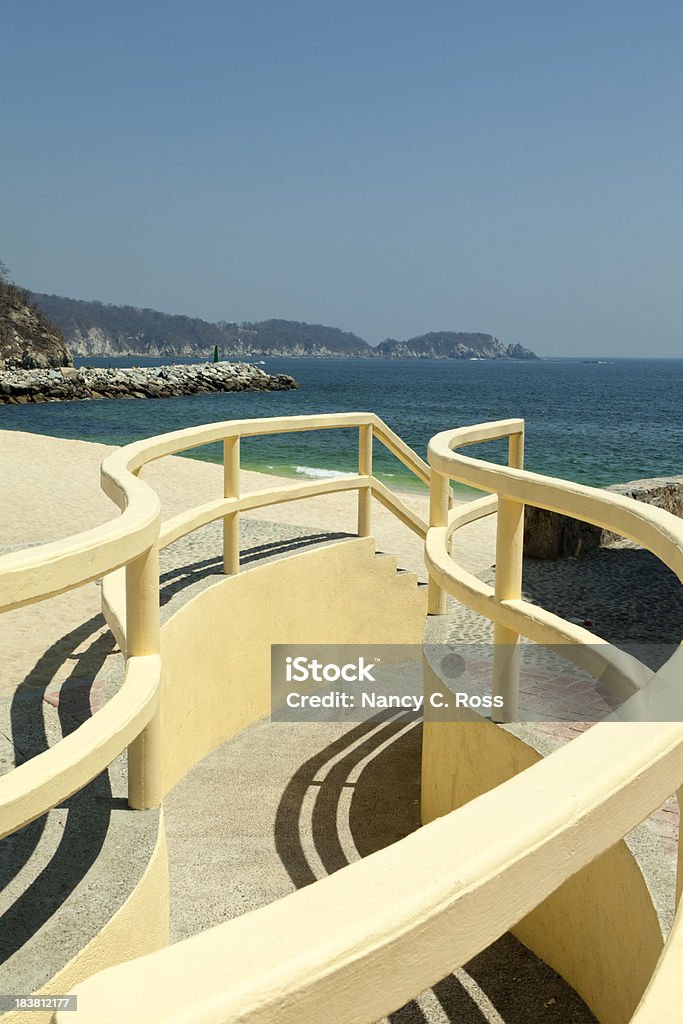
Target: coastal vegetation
[
  {"x": 453, "y": 345},
  {"x": 95, "y": 328},
  {"x": 27, "y": 338}
]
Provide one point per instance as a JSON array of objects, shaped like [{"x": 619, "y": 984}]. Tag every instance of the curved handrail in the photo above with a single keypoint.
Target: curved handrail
[
  {"x": 37, "y": 573},
  {"x": 617, "y": 669},
  {"x": 406, "y": 916},
  {"x": 47, "y": 570},
  {"x": 656, "y": 529},
  {"x": 45, "y": 780},
  {"x": 105, "y": 551},
  {"x": 186, "y": 522}
]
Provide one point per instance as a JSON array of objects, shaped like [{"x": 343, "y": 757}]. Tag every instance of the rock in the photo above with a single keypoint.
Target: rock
[
  {"x": 69, "y": 383},
  {"x": 27, "y": 338},
  {"x": 452, "y": 345},
  {"x": 549, "y": 535},
  {"x": 519, "y": 352}
]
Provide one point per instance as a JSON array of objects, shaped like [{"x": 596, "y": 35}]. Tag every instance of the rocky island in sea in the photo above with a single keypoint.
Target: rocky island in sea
[{"x": 453, "y": 345}]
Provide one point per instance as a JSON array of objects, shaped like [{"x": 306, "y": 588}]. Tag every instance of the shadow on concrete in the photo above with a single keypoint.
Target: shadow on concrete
[
  {"x": 173, "y": 581},
  {"x": 506, "y": 979},
  {"x": 384, "y": 807},
  {"x": 359, "y": 741},
  {"x": 87, "y": 821}
]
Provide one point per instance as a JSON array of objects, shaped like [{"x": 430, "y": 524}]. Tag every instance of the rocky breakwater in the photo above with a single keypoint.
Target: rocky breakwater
[{"x": 68, "y": 384}]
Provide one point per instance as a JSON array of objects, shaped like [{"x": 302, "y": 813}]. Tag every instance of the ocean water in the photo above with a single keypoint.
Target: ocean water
[{"x": 593, "y": 422}]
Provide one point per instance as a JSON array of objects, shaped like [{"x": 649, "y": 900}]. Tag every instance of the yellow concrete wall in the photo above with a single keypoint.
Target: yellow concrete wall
[
  {"x": 599, "y": 930},
  {"x": 216, "y": 648},
  {"x": 122, "y": 938}
]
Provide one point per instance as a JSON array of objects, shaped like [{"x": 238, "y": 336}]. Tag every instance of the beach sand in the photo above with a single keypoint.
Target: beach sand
[{"x": 50, "y": 490}]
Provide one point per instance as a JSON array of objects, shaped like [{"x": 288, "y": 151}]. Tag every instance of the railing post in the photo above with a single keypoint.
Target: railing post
[
  {"x": 142, "y": 638},
  {"x": 365, "y": 469},
  {"x": 231, "y": 489},
  {"x": 439, "y": 498},
  {"x": 679, "y": 860},
  {"x": 508, "y": 587}
]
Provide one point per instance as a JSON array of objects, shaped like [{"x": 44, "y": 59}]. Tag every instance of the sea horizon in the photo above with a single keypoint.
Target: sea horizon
[{"x": 594, "y": 420}]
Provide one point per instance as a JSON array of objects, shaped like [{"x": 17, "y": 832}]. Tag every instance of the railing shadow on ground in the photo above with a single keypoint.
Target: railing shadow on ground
[
  {"x": 89, "y": 810},
  {"x": 506, "y": 981},
  {"x": 175, "y": 580},
  {"x": 87, "y": 820},
  {"x": 608, "y": 775}
]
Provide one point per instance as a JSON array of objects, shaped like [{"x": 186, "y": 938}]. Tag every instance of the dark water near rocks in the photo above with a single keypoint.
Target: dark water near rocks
[{"x": 596, "y": 423}]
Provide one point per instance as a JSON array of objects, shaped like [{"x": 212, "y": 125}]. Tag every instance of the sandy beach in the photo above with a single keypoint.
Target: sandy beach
[{"x": 51, "y": 490}]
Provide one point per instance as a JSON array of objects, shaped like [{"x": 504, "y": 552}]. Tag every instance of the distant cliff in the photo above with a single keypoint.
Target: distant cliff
[
  {"x": 453, "y": 345},
  {"x": 27, "y": 338},
  {"x": 92, "y": 328}
]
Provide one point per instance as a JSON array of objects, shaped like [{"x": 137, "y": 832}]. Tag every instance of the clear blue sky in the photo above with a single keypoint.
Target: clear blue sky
[{"x": 386, "y": 167}]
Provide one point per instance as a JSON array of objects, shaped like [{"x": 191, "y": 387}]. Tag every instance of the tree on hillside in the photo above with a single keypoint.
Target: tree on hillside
[{"x": 4, "y": 271}]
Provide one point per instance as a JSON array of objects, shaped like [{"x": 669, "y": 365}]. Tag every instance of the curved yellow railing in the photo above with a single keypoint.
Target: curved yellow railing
[
  {"x": 650, "y": 695},
  {"x": 124, "y": 552},
  {"x": 357, "y": 945},
  {"x": 403, "y": 918},
  {"x": 52, "y": 776},
  {"x": 398, "y": 921}
]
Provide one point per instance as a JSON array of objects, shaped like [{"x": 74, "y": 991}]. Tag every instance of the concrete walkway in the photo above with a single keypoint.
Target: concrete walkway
[
  {"x": 276, "y": 808},
  {"x": 282, "y": 805}
]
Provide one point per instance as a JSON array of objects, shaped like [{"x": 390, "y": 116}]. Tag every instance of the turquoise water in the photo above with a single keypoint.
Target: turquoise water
[{"x": 595, "y": 423}]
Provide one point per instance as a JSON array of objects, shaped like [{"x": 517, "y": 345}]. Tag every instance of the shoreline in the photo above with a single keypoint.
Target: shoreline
[
  {"x": 52, "y": 491},
  {"x": 589, "y": 450},
  {"x": 402, "y": 481}
]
